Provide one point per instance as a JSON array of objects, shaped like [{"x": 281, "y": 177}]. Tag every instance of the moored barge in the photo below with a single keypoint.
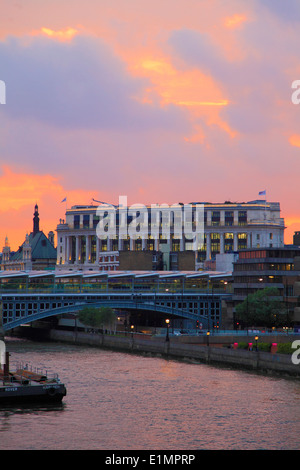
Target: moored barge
[{"x": 22, "y": 385}]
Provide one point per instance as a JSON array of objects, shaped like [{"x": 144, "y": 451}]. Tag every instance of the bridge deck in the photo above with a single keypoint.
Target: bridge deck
[{"x": 31, "y": 296}]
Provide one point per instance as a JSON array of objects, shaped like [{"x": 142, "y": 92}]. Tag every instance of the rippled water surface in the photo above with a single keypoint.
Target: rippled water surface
[{"x": 120, "y": 401}]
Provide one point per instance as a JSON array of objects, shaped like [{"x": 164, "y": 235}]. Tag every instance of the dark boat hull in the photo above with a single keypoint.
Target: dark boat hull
[{"x": 50, "y": 393}]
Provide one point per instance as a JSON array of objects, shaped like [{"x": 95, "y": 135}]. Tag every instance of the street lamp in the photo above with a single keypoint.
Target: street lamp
[
  {"x": 167, "y": 335},
  {"x": 286, "y": 300},
  {"x": 247, "y": 300},
  {"x": 256, "y": 339},
  {"x": 207, "y": 337}
]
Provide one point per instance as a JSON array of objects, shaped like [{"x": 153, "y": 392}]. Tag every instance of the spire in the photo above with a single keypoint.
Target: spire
[
  {"x": 36, "y": 221},
  {"x": 6, "y": 251}
]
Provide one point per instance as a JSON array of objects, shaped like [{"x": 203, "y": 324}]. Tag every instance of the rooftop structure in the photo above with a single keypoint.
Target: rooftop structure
[
  {"x": 37, "y": 251},
  {"x": 87, "y": 281},
  {"x": 222, "y": 228}
]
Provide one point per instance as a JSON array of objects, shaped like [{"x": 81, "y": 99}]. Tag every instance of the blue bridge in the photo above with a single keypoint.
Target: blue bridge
[{"x": 27, "y": 297}]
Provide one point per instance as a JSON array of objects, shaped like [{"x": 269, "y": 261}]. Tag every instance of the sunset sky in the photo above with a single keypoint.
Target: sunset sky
[{"x": 164, "y": 101}]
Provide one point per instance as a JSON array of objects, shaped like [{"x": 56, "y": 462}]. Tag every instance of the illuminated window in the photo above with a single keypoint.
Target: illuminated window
[
  {"x": 242, "y": 217},
  {"x": 215, "y": 243},
  {"x": 242, "y": 241},
  {"x": 215, "y": 218},
  {"x": 228, "y": 242}
]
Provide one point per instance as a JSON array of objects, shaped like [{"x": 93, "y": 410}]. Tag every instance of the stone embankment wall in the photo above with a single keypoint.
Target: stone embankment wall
[{"x": 259, "y": 361}]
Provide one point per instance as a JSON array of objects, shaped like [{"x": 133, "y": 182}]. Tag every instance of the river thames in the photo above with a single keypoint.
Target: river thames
[{"x": 119, "y": 401}]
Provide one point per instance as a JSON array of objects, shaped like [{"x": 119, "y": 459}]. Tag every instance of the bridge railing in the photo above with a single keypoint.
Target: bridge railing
[{"x": 89, "y": 289}]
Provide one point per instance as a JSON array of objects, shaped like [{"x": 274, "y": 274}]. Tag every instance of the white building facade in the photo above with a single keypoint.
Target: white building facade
[{"x": 227, "y": 228}]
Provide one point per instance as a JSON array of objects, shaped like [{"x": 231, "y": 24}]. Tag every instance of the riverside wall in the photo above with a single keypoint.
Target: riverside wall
[{"x": 259, "y": 361}]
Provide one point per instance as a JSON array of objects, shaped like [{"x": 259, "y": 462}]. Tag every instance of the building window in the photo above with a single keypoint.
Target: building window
[
  {"x": 175, "y": 245},
  {"x": 215, "y": 218},
  {"x": 289, "y": 290},
  {"x": 138, "y": 244},
  {"x": 96, "y": 219},
  {"x": 229, "y": 218},
  {"x": 215, "y": 243},
  {"x": 86, "y": 221},
  {"x": 228, "y": 242},
  {"x": 242, "y": 241},
  {"x": 242, "y": 217},
  {"x": 76, "y": 221}
]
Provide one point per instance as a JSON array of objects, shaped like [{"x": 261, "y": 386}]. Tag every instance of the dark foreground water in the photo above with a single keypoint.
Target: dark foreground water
[{"x": 119, "y": 401}]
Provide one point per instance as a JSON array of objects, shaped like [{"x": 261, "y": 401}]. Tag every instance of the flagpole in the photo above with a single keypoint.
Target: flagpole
[
  {"x": 264, "y": 192},
  {"x": 66, "y": 201},
  {"x": 266, "y": 206}
]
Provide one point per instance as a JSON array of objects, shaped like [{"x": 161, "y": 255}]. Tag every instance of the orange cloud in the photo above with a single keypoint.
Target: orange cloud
[
  {"x": 180, "y": 87},
  {"x": 203, "y": 103},
  {"x": 63, "y": 35},
  {"x": 189, "y": 88},
  {"x": 234, "y": 21},
  {"x": 19, "y": 189},
  {"x": 19, "y": 192},
  {"x": 295, "y": 140}
]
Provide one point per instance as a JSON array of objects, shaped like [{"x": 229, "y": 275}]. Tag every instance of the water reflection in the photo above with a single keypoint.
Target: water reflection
[{"x": 122, "y": 401}]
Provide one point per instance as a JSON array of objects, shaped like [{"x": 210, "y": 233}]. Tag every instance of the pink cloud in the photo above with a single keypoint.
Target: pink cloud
[{"x": 124, "y": 106}]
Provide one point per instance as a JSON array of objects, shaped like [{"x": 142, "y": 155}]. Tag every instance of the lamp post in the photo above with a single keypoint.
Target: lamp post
[
  {"x": 287, "y": 301},
  {"x": 207, "y": 338},
  {"x": 256, "y": 339},
  {"x": 167, "y": 335},
  {"x": 247, "y": 299}
]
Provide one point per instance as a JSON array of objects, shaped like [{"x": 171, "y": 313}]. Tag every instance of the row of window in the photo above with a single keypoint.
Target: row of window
[
  {"x": 287, "y": 291},
  {"x": 270, "y": 253},
  {"x": 228, "y": 219},
  {"x": 202, "y": 308},
  {"x": 228, "y": 236},
  {"x": 215, "y": 219},
  {"x": 264, "y": 267}
]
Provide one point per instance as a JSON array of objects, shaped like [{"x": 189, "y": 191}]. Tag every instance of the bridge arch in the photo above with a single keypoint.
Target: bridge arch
[{"x": 14, "y": 322}]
